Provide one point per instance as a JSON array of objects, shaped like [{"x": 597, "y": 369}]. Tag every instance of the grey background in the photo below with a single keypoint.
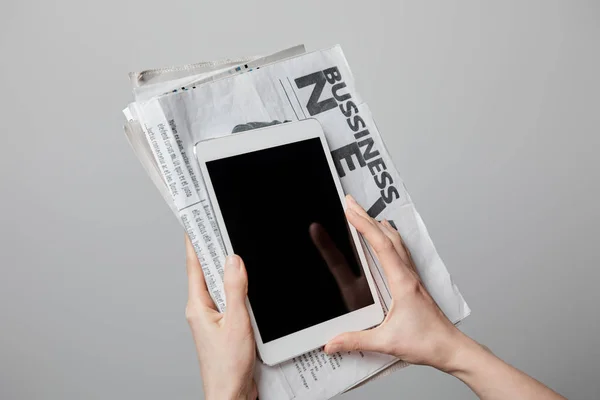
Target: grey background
[{"x": 491, "y": 113}]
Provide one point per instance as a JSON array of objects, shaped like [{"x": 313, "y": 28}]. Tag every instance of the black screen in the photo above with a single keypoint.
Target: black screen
[{"x": 285, "y": 219}]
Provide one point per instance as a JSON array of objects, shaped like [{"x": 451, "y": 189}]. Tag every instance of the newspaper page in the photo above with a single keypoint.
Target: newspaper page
[{"x": 314, "y": 85}]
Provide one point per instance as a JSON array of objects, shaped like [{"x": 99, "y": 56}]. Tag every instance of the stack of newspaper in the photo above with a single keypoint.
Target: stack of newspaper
[{"x": 174, "y": 108}]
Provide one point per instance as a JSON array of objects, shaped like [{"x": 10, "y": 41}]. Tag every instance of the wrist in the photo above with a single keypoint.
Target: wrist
[{"x": 466, "y": 355}]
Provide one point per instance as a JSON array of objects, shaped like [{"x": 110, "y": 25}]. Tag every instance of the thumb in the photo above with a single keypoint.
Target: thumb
[
  {"x": 351, "y": 341},
  {"x": 236, "y": 287}
]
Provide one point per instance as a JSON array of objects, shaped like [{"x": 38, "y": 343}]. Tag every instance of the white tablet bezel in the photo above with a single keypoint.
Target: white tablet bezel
[{"x": 287, "y": 347}]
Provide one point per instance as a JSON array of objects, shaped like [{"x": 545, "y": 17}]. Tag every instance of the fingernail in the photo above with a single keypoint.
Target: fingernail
[
  {"x": 232, "y": 262},
  {"x": 350, "y": 199}
]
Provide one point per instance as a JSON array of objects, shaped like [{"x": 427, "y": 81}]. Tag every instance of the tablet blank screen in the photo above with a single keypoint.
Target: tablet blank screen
[{"x": 285, "y": 219}]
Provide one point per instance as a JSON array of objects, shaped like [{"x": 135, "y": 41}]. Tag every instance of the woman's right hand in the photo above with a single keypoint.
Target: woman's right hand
[{"x": 415, "y": 329}]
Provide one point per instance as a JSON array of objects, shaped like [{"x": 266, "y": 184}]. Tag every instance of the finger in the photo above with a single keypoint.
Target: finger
[
  {"x": 396, "y": 239},
  {"x": 406, "y": 251},
  {"x": 352, "y": 204},
  {"x": 236, "y": 289},
  {"x": 331, "y": 254},
  {"x": 383, "y": 246},
  {"x": 197, "y": 291},
  {"x": 351, "y": 341}
]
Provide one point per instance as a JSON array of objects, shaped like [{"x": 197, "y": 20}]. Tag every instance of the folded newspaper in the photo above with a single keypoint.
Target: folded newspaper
[{"x": 177, "y": 107}]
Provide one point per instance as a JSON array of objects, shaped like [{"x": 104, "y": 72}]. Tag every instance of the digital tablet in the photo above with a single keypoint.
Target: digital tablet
[{"x": 280, "y": 206}]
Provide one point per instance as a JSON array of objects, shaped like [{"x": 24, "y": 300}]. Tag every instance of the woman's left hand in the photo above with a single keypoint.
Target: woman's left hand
[{"x": 224, "y": 341}]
